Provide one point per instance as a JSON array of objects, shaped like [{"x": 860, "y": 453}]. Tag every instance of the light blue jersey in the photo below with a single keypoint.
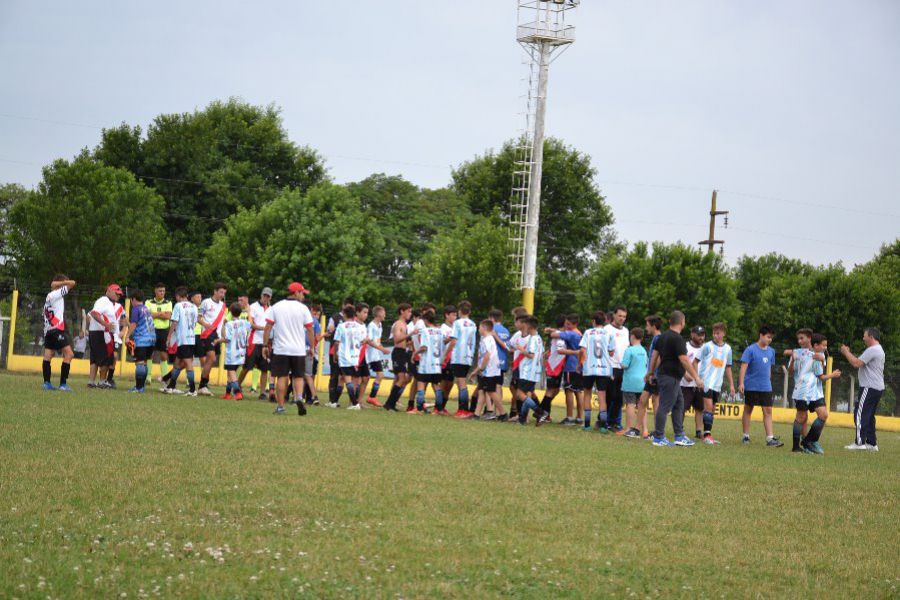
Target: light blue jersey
[
  {"x": 237, "y": 332},
  {"x": 597, "y": 344},
  {"x": 818, "y": 371},
  {"x": 714, "y": 359},
  {"x": 184, "y": 315},
  {"x": 430, "y": 360},
  {"x": 373, "y": 332},
  {"x": 804, "y": 375},
  {"x": 530, "y": 368},
  {"x": 464, "y": 332},
  {"x": 350, "y": 336}
]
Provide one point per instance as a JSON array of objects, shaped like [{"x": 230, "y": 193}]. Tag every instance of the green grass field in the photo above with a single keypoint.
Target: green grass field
[{"x": 106, "y": 494}]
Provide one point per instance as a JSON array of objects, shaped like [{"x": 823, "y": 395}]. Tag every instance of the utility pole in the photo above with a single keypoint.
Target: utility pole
[{"x": 712, "y": 242}]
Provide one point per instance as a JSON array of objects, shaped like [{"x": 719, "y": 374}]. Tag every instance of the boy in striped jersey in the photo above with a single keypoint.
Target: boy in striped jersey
[
  {"x": 375, "y": 354},
  {"x": 451, "y": 313},
  {"x": 462, "y": 353},
  {"x": 349, "y": 347},
  {"x": 596, "y": 347},
  {"x": 430, "y": 353},
  {"x": 235, "y": 338},
  {"x": 530, "y": 371},
  {"x": 806, "y": 363},
  {"x": 55, "y": 337},
  {"x": 488, "y": 374},
  {"x": 810, "y": 442},
  {"x": 714, "y": 366},
  {"x": 181, "y": 341}
]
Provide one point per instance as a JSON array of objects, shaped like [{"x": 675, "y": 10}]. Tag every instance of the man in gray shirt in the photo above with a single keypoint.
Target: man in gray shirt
[{"x": 871, "y": 385}]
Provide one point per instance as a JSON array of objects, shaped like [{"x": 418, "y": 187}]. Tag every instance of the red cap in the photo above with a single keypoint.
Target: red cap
[
  {"x": 297, "y": 287},
  {"x": 115, "y": 287}
]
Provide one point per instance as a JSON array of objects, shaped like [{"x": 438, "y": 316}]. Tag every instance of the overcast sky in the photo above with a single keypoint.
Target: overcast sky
[{"x": 791, "y": 108}]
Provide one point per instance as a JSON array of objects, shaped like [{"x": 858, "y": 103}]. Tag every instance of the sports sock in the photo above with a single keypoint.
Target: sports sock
[
  {"x": 140, "y": 376},
  {"x": 167, "y": 376},
  {"x": 798, "y": 432},
  {"x": 587, "y": 418},
  {"x": 697, "y": 433},
  {"x": 227, "y": 388},
  {"x": 546, "y": 403},
  {"x": 47, "y": 373},
  {"x": 374, "y": 392},
  {"x": 236, "y": 387},
  {"x": 707, "y": 422},
  {"x": 393, "y": 396},
  {"x": 439, "y": 399},
  {"x": 204, "y": 381},
  {"x": 815, "y": 430},
  {"x": 464, "y": 398},
  {"x": 352, "y": 390},
  {"x": 192, "y": 386},
  {"x": 111, "y": 374},
  {"x": 604, "y": 418},
  {"x": 173, "y": 380},
  {"x": 338, "y": 390},
  {"x": 420, "y": 399},
  {"x": 64, "y": 373}
]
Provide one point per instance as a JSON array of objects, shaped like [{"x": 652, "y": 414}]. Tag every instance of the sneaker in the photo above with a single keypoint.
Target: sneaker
[
  {"x": 111, "y": 385},
  {"x": 264, "y": 397},
  {"x": 538, "y": 420},
  {"x": 662, "y": 441},
  {"x": 103, "y": 385},
  {"x": 745, "y": 440},
  {"x": 279, "y": 410},
  {"x": 354, "y": 407},
  {"x": 333, "y": 405},
  {"x": 163, "y": 390},
  {"x": 578, "y": 421},
  {"x": 503, "y": 418},
  {"x": 301, "y": 409},
  {"x": 632, "y": 433},
  {"x": 872, "y": 447},
  {"x": 64, "y": 388},
  {"x": 709, "y": 440},
  {"x": 226, "y": 396},
  {"x": 587, "y": 429},
  {"x": 683, "y": 440},
  {"x": 567, "y": 421},
  {"x": 414, "y": 411},
  {"x": 646, "y": 436},
  {"x": 189, "y": 394},
  {"x": 48, "y": 387},
  {"x": 774, "y": 443},
  {"x": 204, "y": 391},
  {"x": 545, "y": 418},
  {"x": 239, "y": 396},
  {"x": 374, "y": 402},
  {"x": 390, "y": 408},
  {"x": 488, "y": 417},
  {"x": 461, "y": 414},
  {"x": 315, "y": 402},
  {"x": 698, "y": 434},
  {"x": 444, "y": 412},
  {"x": 136, "y": 390},
  {"x": 621, "y": 431}
]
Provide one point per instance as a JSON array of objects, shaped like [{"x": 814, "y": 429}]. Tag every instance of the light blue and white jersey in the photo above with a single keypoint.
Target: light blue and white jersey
[
  {"x": 184, "y": 315},
  {"x": 350, "y": 336},
  {"x": 819, "y": 370},
  {"x": 714, "y": 359},
  {"x": 488, "y": 347},
  {"x": 464, "y": 332},
  {"x": 237, "y": 332},
  {"x": 373, "y": 332},
  {"x": 530, "y": 368},
  {"x": 430, "y": 360},
  {"x": 597, "y": 344},
  {"x": 804, "y": 376}
]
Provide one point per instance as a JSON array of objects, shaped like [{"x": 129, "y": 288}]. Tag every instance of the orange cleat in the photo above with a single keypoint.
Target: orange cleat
[
  {"x": 226, "y": 397},
  {"x": 239, "y": 396},
  {"x": 374, "y": 402}
]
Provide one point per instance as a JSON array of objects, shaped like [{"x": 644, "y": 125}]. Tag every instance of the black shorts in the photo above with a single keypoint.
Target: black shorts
[
  {"x": 162, "y": 336},
  {"x": 399, "y": 361},
  {"x": 428, "y": 377},
  {"x": 209, "y": 344},
  {"x": 56, "y": 340},
  {"x": 143, "y": 353},
  {"x": 79, "y": 355},
  {"x": 490, "y": 384},
  {"x": 199, "y": 351},
  {"x": 376, "y": 366},
  {"x": 447, "y": 373},
  {"x": 233, "y": 367},
  {"x": 810, "y": 405},
  {"x": 459, "y": 371},
  {"x": 514, "y": 378},
  {"x": 363, "y": 370},
  {"x": 186, "y": 352},
  {"x": 526, "y": 386},
  {"x": 652, "y": 388},
  {"x": 282, "y": 365},
  {"x": 413, "y": 365},
  {"x": 713, "y": 394},
  {"x": 350, "y": 371},
  {"x": 693, "y": 398},
  {"x": 764, "y": 399},
  {"x": 573, "y": 381},
  {"x": 101, "y": 352},
  {"x": 256, "y": 360},
  {"x": 600, "y": 382},
  {"x": 554, "y": 382}
]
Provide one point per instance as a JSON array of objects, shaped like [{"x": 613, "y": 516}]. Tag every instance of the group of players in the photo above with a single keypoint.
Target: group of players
[{"x": 606, "y": 365}]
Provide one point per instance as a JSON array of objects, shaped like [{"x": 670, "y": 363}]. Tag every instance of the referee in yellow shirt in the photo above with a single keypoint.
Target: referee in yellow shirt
[{"x": 161, "y": 309}]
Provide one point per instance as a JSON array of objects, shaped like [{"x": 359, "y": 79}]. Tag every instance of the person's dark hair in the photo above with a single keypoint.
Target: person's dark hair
[
  {"x": 449, "y": 309},
  {"x": 195, "y": 293},
  {"x": 316, "y": 307},
  {"x": 360, "y": 306},
  {"x": 428, "y": 316},
  {"x": 805, "y": 331},
  {"x": 235, "y": 309},
  {"x": 348, "y": 301},
  {"x": 159, "y": 285},
  {"x": 766, "y": 330},
  {"x": 609, "y": 316},
  {"x": 403, "y": 306},
  {"x": 416, "y": 313},
  {"x": 618, "y": 308},
  {"x": 572, "y": 318},
  {"x": 60, "y": 277},
  {"x": 532, "y": 321},
  {"x": 522, "y": 317},
  {"x": 676, "y": 318},
  {"x": 181, "y": 292},
  {"x": 219, "y": 286},
  {"x": 719, "y": 327},
  {"x": 519, "y": 311},
  {"x": 599, "y": 318},
  {"x": 349, "y": 312},
  {"x": 496, "y": 314},
  {"x": 637, "y": 333},
  {"x": 560, "y": 321},
  {"x": 488, "y": 324},
  {"x": 654, "y": 321},
  {"x": 429, "y": 306},
  {"x": 465, "y": 307},
  {"x": 817, "y": 338},
  {"x": 874, "y": 333},
  {"x": 137, "y": 295}
]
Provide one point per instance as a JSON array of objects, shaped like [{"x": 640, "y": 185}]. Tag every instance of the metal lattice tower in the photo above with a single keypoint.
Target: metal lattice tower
[{"x": 544, "y": 33}]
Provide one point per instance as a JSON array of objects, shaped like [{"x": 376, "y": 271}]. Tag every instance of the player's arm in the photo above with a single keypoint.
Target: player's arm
[
  {"x": 730, "y": 377},
  {"x": 310, "y": 339},
  {"x": 741, "y": 375},
  {"x": 654, "y": 363},
  {"x": 853, "y": 360},
  {"x": 267, "y": 338},
  {"x": 55, "y": 285},
  {"x": 450, "y": 345},
  {"x": 836, "y": 374}
]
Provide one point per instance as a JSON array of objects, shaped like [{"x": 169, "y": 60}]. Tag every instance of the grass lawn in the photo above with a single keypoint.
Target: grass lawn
[{"x": 106, "y": 494}]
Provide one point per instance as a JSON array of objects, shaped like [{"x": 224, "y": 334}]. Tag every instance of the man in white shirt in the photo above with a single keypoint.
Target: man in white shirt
[
  {"x": 258, "y": 312},
  {"x": 871, "y": 386},
  {"x": 103, "y": 323},
  {"x": 55, "y": 337},
  {"x": 619, "y": 333},
  {"x": 211, "y": 317},
  {"x": 292, "y": 325}
]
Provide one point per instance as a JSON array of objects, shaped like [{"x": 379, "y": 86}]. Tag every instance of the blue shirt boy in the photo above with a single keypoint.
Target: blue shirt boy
[{"x": 759, "y": 361}]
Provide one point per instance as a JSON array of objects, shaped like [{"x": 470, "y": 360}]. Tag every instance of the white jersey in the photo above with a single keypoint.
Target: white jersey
[
  {"x": 599, "y": 347},
  {"x": 350, "y": 335},
  {"x": 213, "y": 313},
  {"x": 117, "y": 324},
  {"x": 621, "y": 341},
  {"x": 515, "y": 344},
  {"x": 714, "y": 359},
  {"x": 430, "y": 360},
  {"x": 258, "y": 314},
  {"x": 107, "y": 311},
  {"x": 54, "y": 305},
  {"x": 290, "y": 319},
  {"x": 530, "y": 368},
  {"x": 415, "y": 329},
  {"x": 693, "y": 353},
  {"x": 447, "y": 332},
  {"x": 555, "y": 360},
  {"x": 184, "y": 315},
  {"x": 464, "y": 332},
  {"x": 488, "y": 346},
  {"x": 374, "y": 332}
]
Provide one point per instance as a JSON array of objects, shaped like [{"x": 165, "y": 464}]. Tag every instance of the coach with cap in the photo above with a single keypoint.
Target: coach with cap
[
  {"x": 291, "y": 324},
  {"x": 255, "y": 359},
  {"x": 871, "y": 386}
]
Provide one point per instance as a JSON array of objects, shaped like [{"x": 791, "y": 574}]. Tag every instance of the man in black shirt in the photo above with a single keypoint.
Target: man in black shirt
[{"x": 672, "y": 360}]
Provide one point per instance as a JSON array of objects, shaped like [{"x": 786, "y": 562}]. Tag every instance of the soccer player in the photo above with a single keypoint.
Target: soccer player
[
  {"x": 487, "y": 373},
  {"x": 693, "y": 396},
  {"x": 501, "y": 337},
  {"x": 515, "y": 347},
  {"x": 103, "y": 322},
  {"x": 553, "y": 369},
  {"x": 800, "y": 366},
  {"x": 375, "y": 353},
  {"x": 400, "y": 356},
  {"x": 671, "y": 358},
  {"x": 349, "y": 346},
  {"x": 652, "y": 327},
  {"x": 810, "y": 441},
  {"x": 289, "y": 330},
  {"x": 415, "y": 328},
  {"x": 615, "y": 328},
  {"x": 254, "y": 355},
  {"x": 462, "y": 348},
  {"x": 55, "y": 337},
  {"x": 211, "y": 317},
  {"x": 714, "y": 365},
  {"x": 431, "y": 352},
  {"x": 161, "y": 310},
  {"x": 310, "y": 391},
  {"x": 871, "y": 386},
  {"x": 572, "y": 369},
  {"x": 530, "y": 372},
  {"x": 141, "y": 338},
  {"x": 335, "y": 389},
  {"x": 597, "y": 347},
  {"x": 755, "y": 384},
  {"x": 451, "y": 313},
  {"x": 182, "y": 338},
  {"x": 235, "y": 336},
  {"x": 634, "y": 363}
]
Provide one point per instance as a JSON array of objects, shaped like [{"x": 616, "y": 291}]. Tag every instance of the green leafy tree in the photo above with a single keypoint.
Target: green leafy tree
[
  {"x": 467, "y": 262},
  {"x": 90, "y": 221},
  {"x": 10, "y": 194},
  {"x": 321, "y": 238}
]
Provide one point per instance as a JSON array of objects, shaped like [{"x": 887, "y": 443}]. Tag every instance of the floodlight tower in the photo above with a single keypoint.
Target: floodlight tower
[{"x": 543, "y": 31}]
